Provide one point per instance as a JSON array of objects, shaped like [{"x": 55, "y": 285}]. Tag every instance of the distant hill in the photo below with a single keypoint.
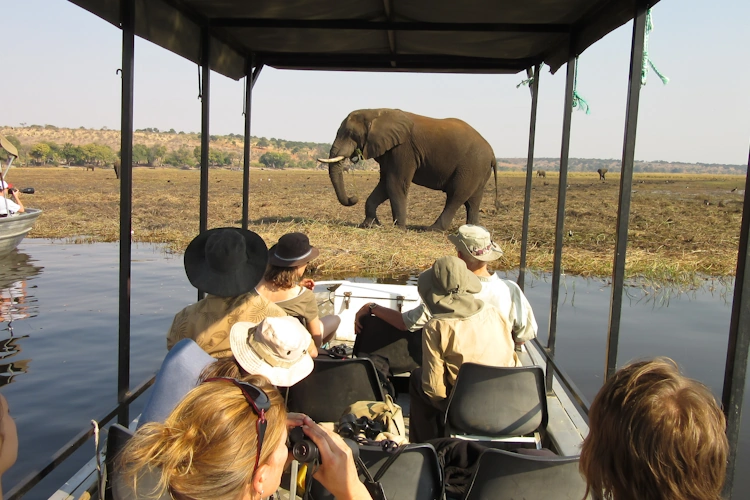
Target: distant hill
[{"x": 51, "y": 145}]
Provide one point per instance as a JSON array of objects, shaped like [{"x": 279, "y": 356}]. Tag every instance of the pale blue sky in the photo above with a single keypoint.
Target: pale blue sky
[{"x": 60, "y": 69}]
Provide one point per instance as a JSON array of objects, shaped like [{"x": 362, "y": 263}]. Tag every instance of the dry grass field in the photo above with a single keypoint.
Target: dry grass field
[{"x": 681, "y": 226}]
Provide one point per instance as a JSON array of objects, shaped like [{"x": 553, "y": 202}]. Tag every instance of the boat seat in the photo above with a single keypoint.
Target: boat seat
[
  {"x": 333, "y": 385},
  {"x": 117, "y": 437},
  {"x": 415, "y": 474},
  {"x": 504, "y": 475},
  {"x": 498, "y": 404}
]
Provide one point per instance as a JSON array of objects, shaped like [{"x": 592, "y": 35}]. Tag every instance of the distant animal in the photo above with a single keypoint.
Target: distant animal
[
  {"x": 89, "y": 167},
  {"x": 733, "y": 190},
  {"x": 602, "y": 172},
  {"x": 446, "y": 155},
  {"x": 116, "y": 166},
  {"x": 541, "y": 173}
]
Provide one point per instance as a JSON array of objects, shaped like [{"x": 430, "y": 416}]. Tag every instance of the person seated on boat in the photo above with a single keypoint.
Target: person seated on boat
[
  {"x": 226, "y": 263},
  {"x": 7, "y": 206},
  {"x": 226, "y": 440},
  {"x": 283, "y": 285},
  {"x": 462, "y": 329},
  {"x": 278, "y": 348},
  {"x": 654, "y": 434},
  {"x": 8, "y": 439},
  {"x": 378, "y": 327}
]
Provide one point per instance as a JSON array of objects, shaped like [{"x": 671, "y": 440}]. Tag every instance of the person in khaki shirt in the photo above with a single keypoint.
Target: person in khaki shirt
[
  {"x": 226, "y": 263},
  {"x": 462, "y": 329}
]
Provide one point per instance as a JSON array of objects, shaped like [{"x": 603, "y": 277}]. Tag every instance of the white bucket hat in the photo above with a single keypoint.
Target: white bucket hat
[
  {"x": 477, "y": 242},
  {"x": 275, "y": 348}
]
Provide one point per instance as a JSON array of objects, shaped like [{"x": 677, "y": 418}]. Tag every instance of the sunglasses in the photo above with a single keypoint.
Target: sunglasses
[{"x": 258, "y": 401}]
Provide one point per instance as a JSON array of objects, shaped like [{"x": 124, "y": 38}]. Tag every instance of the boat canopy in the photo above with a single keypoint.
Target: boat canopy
[
  {"x": 472, "y": 36},
  {"x": 8, "y": 146}
]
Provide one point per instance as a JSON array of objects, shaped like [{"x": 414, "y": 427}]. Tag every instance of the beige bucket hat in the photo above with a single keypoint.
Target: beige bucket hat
[
  {"x": 276, "y": 348},
  {"x": 477, "y": 242}
]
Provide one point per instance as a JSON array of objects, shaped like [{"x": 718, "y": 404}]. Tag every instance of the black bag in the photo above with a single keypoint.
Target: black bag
[
  {"x": 403, "y": 350},
  {"x": 382, "y": 367}
]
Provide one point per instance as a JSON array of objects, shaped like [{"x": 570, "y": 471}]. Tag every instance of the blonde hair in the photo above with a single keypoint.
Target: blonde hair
[
  {"x": 227, "y": 368},
  {"x": 654, "y": 435},
  {"x": 207, "y": 446}
]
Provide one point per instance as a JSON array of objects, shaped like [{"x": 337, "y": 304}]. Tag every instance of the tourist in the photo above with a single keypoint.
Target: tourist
[
  {"x": 462, "y": 329},
  {"x": 380, "y": 329},
  {"x": 278, "y": 348},
  {"x": 654, "y": 434},
  {"x": 226, "y": 440},
  {"x": 226, "y": 263},
  {"x": 8, "y": 439},
  {"x": 282, "y": 284},
  {"x": 7, "y": 206}
]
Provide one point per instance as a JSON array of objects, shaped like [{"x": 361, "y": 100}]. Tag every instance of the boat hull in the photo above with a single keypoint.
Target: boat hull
[{"x": 13, "y": 229}]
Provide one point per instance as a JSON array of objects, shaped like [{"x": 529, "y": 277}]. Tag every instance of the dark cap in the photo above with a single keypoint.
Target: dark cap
[{"x": 292, "y": 250}]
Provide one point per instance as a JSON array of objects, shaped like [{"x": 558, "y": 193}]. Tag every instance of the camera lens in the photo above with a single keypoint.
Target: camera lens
[{"x": 305, "y": 451}]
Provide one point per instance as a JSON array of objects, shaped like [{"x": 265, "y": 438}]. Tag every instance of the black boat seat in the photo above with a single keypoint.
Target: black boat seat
[
  {"x": 504, "y": 475},
  {"x": 333, "y": 385},
  {"x": 415, "y": 474},
  {"x": 499, "y": 404}
]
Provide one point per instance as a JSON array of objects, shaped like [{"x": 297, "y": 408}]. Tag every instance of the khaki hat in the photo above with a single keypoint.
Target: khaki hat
[
  {"x": 448, "y": 289},
  {"x": 477, "y": 242},
  {"x": 276, "y": 348}
]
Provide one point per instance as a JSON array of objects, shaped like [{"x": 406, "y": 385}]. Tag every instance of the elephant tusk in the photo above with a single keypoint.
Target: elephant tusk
[{"x": 331, "y": 160}]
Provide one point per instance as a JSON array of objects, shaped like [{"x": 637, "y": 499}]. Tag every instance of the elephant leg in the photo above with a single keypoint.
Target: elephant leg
[
  {"x": 398, "y": 193},
  {"x": 452, "y": 204},
  {"x": 472, "y": 206},
  {"x": 376, "y": 198}
]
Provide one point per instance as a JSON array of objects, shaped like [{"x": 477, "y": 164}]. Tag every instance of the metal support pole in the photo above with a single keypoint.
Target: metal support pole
[
  {"x": 249, "y": 83},
  {"x": 534, "y": 87},
  {"x": 205, "y": 101},
  {"x": 735, "y": 371},
  {"x": 127, "y": 21},
  {"x": 626, "y": 188},
  {"x": 562, "y": 190}
]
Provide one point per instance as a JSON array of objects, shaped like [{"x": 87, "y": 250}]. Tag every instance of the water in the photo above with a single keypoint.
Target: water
[{"x": 59, "y": 369}]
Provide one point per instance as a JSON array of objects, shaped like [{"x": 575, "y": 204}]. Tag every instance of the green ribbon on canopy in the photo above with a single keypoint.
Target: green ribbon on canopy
[{"x": 647, "y": 62}]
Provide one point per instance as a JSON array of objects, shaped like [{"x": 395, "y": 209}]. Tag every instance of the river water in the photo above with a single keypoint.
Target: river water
[{"x": 58, "y": 333}]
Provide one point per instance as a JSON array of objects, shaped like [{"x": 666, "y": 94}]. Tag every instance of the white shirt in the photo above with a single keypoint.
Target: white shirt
[
  {"x": 12, "y": 206},
  {"x": 505, "y": 295}
]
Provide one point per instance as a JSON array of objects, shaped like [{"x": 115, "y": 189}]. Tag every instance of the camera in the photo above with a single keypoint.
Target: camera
[
  {"x": 350, "y": 427},
  {"x": 303, "y": 450}
]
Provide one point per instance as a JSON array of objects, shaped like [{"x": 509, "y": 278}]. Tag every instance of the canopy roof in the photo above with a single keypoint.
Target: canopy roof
[{"x": 466, "y": 36}]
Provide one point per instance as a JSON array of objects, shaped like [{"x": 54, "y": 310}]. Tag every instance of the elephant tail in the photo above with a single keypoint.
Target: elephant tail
[{"x": 494, "y": 168}]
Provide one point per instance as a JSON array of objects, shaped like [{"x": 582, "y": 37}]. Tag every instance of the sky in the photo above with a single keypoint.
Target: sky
[{"x": 61, "y": 64}]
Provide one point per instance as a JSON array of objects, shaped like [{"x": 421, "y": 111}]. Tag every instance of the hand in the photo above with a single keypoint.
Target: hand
[
  {"x": 337, "y": 471},
  {"x": 295, "y": 420},
  {"x": 363, "y": 311},
  {"x": 307, "y": 283}
]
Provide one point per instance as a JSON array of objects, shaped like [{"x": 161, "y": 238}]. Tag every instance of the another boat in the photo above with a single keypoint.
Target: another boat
[{"x": 13, "y": 228}]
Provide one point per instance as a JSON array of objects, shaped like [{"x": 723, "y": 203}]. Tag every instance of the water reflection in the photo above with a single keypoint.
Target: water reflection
[{"x": 16, "y": 303}]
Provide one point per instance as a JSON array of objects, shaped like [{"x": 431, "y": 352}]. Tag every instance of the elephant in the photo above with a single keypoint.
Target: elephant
[
  {"x": 541, "y": 173},
  {"x": 441, "y": 154},
  {"x": 602, "y": 172}
]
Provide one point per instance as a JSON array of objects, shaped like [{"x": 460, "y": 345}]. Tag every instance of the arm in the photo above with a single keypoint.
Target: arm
[
  {"x": 523, "y": 322},
  {"x": 17, "y": 199},
  {"x": 315, "y": 327},
  {"x": 390, "y": 316},
  {"x": 433, "y": 369},
  {"x": 337, "y": 471}
]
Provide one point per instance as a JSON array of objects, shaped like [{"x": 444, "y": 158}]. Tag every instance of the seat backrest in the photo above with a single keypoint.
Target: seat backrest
[
  {"x": 504, "y": 475},
  {"x": 178, "y": 374},
  {"x": 497, "y": 401},
  {"x": 333, "y": 385},
  {"x": 415, "y": 474}
]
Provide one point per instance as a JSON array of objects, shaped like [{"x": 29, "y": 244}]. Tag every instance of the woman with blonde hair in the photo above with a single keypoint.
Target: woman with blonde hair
[
  {"x": 226, "y": 440},
  {"x": 654, "y": 434}
]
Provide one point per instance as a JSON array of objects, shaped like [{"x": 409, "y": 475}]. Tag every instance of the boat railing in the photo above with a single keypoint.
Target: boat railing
[{"x": 32, "y": 479}]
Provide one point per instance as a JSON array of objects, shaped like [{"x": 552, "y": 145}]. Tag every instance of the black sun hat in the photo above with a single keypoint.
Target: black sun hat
[
  {"x": 292, "y": 250},
  {"x": 226, "y": 261}
]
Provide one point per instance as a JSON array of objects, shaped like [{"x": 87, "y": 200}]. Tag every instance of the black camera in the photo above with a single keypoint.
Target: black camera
[
  {"x": 303, "y": 450},
  {"x": 350, "y": 427}
]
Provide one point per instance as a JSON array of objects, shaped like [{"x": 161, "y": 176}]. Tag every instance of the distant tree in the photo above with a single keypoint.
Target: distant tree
[
  {"x": 140, "y": 154},
  {"x": 263, "y": 142},
  {"x": 180, "y": 157},
  {"x": 156, "y": 154},
  {"x": 40, "y": 152},
  {"x": 275, "y": 160},
  {"x": 171, "y": 131}
]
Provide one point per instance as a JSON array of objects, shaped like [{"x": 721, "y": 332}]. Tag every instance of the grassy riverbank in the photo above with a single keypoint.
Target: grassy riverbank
[{"x": 681, "y": 226}]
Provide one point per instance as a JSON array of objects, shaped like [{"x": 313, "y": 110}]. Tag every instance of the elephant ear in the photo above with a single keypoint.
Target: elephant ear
[{"x": 386, "y": 131}]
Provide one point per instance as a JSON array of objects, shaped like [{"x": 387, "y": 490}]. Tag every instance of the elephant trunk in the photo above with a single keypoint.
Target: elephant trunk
[{"x": 336, "y": 173}]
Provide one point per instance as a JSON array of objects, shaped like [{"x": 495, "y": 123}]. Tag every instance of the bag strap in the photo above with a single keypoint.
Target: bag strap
[{"x": 384, "y": 468}]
